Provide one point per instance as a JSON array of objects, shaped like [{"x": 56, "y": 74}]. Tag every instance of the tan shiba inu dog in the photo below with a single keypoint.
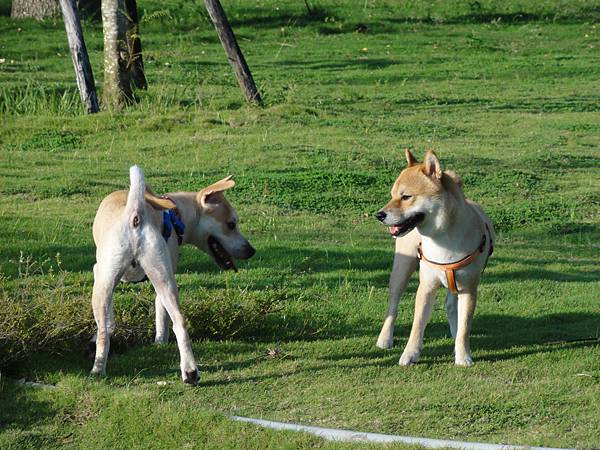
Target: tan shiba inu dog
[
  {"x": 131, "y": 244},
  {"x": 451, "y": 236}
]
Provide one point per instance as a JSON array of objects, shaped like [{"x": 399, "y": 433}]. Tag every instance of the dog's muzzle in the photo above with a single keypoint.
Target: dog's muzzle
[
  {"x": 220, "y": 255},
  {"x": 223, "y": 258},
  {"x": 409, "y": 224}
]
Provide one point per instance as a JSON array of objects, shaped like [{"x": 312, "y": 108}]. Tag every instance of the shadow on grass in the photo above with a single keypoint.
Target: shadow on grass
[
  {"x": 20, "y": 411},
  {"x": 339, "y": 25},
  {"x": 581, "y": 15},
  {"x": 496, "y": 345},
  {"x": 495, "y": 338},
  {"x": 575, "y": 276},
  {"x": 246, "y": 17}
]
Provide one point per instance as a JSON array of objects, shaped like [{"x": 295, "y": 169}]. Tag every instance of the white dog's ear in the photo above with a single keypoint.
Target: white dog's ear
[
  {"x": 211, "y": 193},
  {"x": 432, "y": 165},
  {"x": 410, "y": 159}
]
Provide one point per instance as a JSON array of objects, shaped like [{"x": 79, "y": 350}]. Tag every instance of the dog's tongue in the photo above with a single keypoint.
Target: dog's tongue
[{"x": 393, "y": 230}]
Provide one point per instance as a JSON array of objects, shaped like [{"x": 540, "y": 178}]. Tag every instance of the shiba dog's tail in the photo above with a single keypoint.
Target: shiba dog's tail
[{"x": 134, "y": 209}]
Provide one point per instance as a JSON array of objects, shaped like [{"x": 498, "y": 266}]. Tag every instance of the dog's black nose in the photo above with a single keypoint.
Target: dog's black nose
[
  {"x": 250, "y": 251},
  {"x": 381, "y": 215}
]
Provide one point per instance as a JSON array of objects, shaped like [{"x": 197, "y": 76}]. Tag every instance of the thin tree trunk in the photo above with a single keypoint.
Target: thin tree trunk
[
  {"x": 81, "y": 61},
  {"x": 117, "y": 86},
  {"x": 232, "y": 49},
  {"x": 135, "y": 64},
  {"x": 38, "y": 9}
]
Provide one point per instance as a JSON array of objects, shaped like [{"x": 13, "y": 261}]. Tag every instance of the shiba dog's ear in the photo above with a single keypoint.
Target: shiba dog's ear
[
  {"x": 410, "y": 159},
  {"x": 432, "y": 165},
  {"x": 454, "y": 177},
  {"x": 211, "y": 193}
]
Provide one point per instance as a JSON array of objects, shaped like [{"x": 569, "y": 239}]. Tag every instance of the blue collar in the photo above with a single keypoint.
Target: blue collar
[{"x": 172, "y": 220}]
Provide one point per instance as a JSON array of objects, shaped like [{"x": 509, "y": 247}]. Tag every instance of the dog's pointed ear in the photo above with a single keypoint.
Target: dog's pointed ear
[
  {"x": 432, "y": 165},
  {"x": 454, "y": 177},
  {"x": 211, "y": 193},
  {"x": 410, "y": 159}
]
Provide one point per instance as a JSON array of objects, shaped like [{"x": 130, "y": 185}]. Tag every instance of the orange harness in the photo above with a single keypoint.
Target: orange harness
[{"x": 449, "y": 268}]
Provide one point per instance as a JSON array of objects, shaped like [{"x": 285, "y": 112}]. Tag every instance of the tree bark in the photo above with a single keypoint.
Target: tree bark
[
  {"x": 232, "y": 49},
  {"x": 79, "y": 54},
  {"x": 38, "y": 9},
  {"x": 135, "y": 64},
  {"x": 117, "y": 85}
]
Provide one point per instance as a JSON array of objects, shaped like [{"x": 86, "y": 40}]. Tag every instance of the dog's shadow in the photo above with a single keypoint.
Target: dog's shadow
[{"x": 495, "y": 338}]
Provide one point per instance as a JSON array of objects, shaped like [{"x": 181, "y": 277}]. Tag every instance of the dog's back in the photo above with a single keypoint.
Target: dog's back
[
  {"x": 119, "y": 208},
  {"x": 121, "y": 218},
  {"x": 486, "y": 220}
]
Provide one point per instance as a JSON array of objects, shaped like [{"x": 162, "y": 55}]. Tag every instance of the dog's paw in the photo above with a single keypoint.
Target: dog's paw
[
  {"x": 96, "y": 372},
  {"x": 159, "y": 340},
  {"x": 191, "y": 376},
  {"x": 409, "y": 357},
  {"x": 385, "y": 342},
  {"x": 463, "y": 361}
]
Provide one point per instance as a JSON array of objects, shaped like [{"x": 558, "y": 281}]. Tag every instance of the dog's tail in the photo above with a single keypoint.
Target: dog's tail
[{"x": 134, "y": 210}]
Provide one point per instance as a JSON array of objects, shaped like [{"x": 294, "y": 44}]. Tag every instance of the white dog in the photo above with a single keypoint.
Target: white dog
[{"x": 134, "y": 240}]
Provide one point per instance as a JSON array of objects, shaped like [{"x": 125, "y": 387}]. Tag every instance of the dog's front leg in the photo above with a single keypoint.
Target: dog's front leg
[
  {"x": 466, "y": 309},
  {"x": 423, "y": 305},
  {"x": 405, "y": 264},
  {"x": 452, "y": 311},
  {"x": 162, "y": 322}
]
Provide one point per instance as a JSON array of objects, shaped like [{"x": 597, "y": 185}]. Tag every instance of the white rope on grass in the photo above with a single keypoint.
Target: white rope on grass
[{"x": 359, "y": 436}]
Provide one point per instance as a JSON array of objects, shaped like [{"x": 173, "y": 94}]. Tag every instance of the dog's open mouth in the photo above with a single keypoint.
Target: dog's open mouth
[
  {"x": 407, "y": 225},
  {"x": 220, "y": 255}
]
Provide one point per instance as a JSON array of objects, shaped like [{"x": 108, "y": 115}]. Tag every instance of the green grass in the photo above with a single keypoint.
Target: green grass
[{"x": 505, "y": 92}]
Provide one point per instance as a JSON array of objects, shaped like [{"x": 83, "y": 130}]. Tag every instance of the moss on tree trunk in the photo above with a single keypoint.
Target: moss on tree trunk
[{"x": 123, "y": 64}]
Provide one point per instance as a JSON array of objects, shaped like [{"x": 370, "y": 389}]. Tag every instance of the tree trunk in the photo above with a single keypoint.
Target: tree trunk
[
  {"x": 135, "y": 64},
  {"x": 81, "y": 61},
  {"x": 234, "y": 54},
  {"x": 117, "y": 86},
  {"x": 90, "y": 9},
  {"x": 38, "y": 9},
  {"x": 123, "y": 64}
]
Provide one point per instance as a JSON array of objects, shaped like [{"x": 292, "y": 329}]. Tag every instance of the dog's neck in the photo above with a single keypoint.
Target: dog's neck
[
  {"x": 452, "y": 232},
  {"x": 187, "y": 207}
]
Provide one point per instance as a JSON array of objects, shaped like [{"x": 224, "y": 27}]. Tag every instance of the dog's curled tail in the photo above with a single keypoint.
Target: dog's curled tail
[{"x": 134, "y": 209}]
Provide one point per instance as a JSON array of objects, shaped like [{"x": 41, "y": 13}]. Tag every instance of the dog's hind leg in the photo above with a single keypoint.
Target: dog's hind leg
[
  {"x": 452, "y": 311},
  {"x": 157, "y": 265},
  {"x": 405, "y": 264},
  {"x": 106, "y": 278},
  {"x": 466, "y": 309},
  {"x": 162, "y": 322},
  {"x": 90, "y": 350}
]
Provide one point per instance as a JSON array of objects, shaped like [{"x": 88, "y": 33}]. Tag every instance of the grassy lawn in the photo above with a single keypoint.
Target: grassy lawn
[{"x": 505, "y": 92}]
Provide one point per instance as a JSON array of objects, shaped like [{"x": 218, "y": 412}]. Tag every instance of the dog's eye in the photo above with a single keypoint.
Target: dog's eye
[
  {"x": 406, "y": 197},
  {"x": 231, "y": 225}
]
